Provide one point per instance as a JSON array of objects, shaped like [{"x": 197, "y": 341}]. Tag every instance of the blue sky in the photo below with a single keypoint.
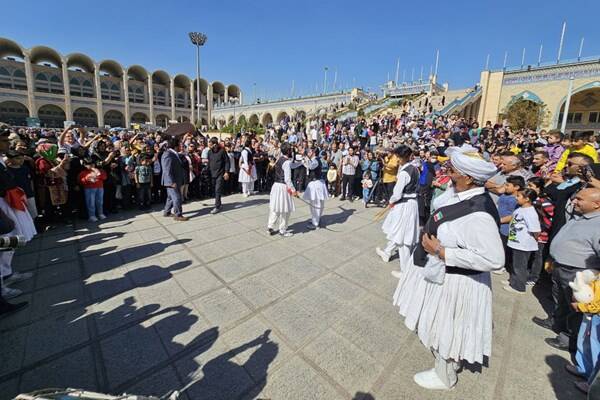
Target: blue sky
[{"x": 271, "y": 43}]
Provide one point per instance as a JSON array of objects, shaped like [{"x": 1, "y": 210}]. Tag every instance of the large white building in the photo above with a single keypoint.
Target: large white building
[{"x": 42, "y": 83}]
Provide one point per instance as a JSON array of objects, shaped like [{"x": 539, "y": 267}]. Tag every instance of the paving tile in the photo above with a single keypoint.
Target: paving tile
[
  {"x": 292, "y": 273},
  {"x": 12, "y": 344},
  {"x": 165, "y": 294},
  {"x": 126, "y": 354},
  {"x": 54, "y": 334},
  {"x": 157, "y": 384},
  {"x": 108, "y": 283},
  {"x": 349, "y": 366},
  {"x": 222, "y": 308},
  {"x": 9, "y": 389},
  {"x": 57, "y": 299},
  {"x": 296, "y": 380},
  {"x": 57, "y": 274},
  {"x": 119, "y": 310},
  {"x": 74, "y": 370},
  {"x": 197, "y": 281},
  {"x": 297, "y": 324},
  {"x": 256, "y": 291},
  {"x": 257, "y": 348},
  {"x": 58, "y": 255}
]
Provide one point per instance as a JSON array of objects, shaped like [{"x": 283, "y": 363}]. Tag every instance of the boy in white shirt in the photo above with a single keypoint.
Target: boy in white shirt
[{"x": 522, "y": 239}]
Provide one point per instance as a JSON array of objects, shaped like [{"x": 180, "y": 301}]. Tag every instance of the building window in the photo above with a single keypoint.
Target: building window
[
  {"x": 577, "y": 117},
  {"x": 593, "y": 118}
]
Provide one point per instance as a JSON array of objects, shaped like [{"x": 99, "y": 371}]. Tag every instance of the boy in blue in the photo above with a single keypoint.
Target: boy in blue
[{"x": 507, "y": 203}]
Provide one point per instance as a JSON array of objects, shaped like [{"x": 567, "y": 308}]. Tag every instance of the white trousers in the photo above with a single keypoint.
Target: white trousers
[
  {"x": 316, "y": 211},
  {"x": 247, "y": 187},
  {"x": 31, "y": 207},
  {"x": 446, "y": 370},
  {"x": 404, "y": 252},
  {"x": 283, "y": 220},
  {"x": 5, "y": 261}
]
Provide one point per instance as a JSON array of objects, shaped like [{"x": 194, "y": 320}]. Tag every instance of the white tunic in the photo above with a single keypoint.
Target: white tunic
[
  {"x": 316, "y": 191},
  {"x": 280, "y": 200},
  {"x": 245, "y": 167},
  {"x": 401, "y": 225},
  {"x": 454, "y": 317}
]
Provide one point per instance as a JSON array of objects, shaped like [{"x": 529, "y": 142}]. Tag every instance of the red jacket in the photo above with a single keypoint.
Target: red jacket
[{"x": 85, "y": 177}]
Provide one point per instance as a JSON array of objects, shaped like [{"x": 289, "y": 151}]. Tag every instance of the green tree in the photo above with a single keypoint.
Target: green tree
[{"x": 526, "y": 114}]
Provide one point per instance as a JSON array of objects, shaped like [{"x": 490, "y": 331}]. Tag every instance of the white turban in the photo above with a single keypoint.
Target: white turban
[{"x": 468, "y": 161}]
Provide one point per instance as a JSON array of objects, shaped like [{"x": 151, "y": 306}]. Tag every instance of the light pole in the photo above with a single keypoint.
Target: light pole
[
  {"x": 254, "y": 91},
  {"x": 325, "y": 82},
  {"x": 198, "y": 39}
]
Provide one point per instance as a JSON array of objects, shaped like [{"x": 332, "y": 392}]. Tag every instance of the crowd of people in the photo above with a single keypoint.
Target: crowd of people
[{"x": 532, "y": 206}]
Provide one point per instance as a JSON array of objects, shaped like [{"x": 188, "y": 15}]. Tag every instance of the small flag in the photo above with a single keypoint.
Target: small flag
[{"x": 437, "y": 216}]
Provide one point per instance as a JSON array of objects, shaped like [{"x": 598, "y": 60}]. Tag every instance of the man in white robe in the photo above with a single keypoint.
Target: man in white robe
[
  {"x": 247, "y": 174},
  {"x": 281, "y": 203},
  {"x": 316, "y": 190},
  {"x": 444, "y": 292}
]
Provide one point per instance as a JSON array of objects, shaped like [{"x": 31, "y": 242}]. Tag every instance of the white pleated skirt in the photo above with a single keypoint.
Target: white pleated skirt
[
  {"x": 453, "y": 318},
  {"x": 244, "y": 177},
  {"x": 23, "y": 223},
  {"x": 280, "y": 200},
  {"x": 316, "y": 191},
  {"x": 402, "y": 223}
]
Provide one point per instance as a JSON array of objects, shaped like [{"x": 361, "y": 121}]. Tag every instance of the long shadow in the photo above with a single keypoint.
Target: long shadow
[
  {"x": 363, "y": 396},
  {"x": 338, "y": 218},
  {"x": 561, "y": 381},
  {"x": 543, "y": 293}
]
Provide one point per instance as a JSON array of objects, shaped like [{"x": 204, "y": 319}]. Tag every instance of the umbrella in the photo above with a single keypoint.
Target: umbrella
[{"x": 180, "y": 129}]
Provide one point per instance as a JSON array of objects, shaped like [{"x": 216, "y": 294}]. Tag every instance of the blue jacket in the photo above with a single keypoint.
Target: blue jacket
[{"x": 172, "y": 170}]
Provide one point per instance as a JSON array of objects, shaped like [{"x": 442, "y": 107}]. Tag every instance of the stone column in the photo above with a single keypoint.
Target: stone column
[
  {"x": 193, "y": 102},
  {"x": 30, "y": 86},
  {"x": 225, "y": 96},
  {"x": 98, "y": 85},
  {"x": 126, "y": 100},
  {"x": 209, "y": 103},
  {"x": 172, "y": 89},
  {"x": 67, "y": 90},
  {"x": 240, "y": 100},
  {"x": 151, "y": 98}
]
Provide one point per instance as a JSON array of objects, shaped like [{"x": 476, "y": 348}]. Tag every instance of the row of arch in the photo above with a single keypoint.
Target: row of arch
[
  {"x": 47, "y": 60},
  {"x": 53, "y": 116},
  {"x": 264, "y": 119}
]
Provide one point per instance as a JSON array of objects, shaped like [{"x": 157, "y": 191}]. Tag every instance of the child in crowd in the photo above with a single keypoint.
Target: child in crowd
[
  {"x": 507, "y": 203},
  {"x": 522, "y": 239},
  {"x": 23, "y": 176},
  {"x": 578, "y": 144},
  {"x": 545, "y": 209},
  {"x": 143, "y": 181},
  {"x": 367, "y": 184},
  {"x": 332, "y": 176},
  {"x": 92, "y": 179},
  {"x": 554, "y": 148},
  {"x": 588, "y": 352}
]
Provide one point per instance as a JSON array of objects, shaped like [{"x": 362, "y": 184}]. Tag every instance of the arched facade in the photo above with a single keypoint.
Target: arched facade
[
  {"x": 13, "y": 113},
  {"x": 114, "y": 119},
  {"x": 267, "y": 119},
  {"x": 85, "y": 117},
  {"x": 51, "y": 116},
  {"x": 28, "y": 75},
  {"x": 139, "y": 118},
  {"x": 162, "y": 120}
]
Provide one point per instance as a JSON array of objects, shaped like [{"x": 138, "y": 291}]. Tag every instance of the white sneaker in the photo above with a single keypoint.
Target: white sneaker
[
  {"x": 101, "y": 216},
  {"x": 499, "y": 271},
  {"x": 9, "y": 293},
  {"x": 430, "y": 380},
  {"x": 286, "y": 234},
  {"x": 311, "y": 227},
  {"x": 17, "y": 277},
  {"x": 93, "y": 219},
  {"x": 384, "y": 256}
]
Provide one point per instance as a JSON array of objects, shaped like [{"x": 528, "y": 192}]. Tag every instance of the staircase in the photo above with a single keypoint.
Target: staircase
[{"x": 458, "y": 104}]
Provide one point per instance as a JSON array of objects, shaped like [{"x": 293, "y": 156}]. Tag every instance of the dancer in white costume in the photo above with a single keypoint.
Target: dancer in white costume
[
  {"x": 401, "y": 225},
  {"x": 316, "y": 190},
  {"x": 281, "y": 203},
  {"x": 445, "y": 292},
  {"x": 247, "y": 174}
]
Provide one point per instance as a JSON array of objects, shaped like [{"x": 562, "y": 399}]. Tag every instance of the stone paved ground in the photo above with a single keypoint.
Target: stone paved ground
[{"x": 144, "y": 304}]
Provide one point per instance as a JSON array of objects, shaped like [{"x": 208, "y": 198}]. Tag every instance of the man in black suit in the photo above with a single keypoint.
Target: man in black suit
[
  {"x": 172, "y": 179},
  {"x": 218, "y": 163}
]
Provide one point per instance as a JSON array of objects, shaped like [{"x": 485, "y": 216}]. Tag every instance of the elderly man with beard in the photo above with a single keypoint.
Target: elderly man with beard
[{"x": 445, "y": 292}]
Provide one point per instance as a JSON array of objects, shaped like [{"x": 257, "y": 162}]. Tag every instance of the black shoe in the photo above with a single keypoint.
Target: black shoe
[
  {"x": 544, "y": 323},
  {"x": 557, "y": 343},
  {"x": 343, "y": 198},
  {"x": 570, "y": 368},
  {"x": 272, "y": 232},
  {"x": 7, "y": 308}
]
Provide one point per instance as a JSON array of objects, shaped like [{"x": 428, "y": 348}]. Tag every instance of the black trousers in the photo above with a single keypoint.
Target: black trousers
[
  {"x": 520, "y": 272},
  {"x": 565, "y": 318},
  {"x": 347, "y": 181},
  {"x": 218, "y": 184}
]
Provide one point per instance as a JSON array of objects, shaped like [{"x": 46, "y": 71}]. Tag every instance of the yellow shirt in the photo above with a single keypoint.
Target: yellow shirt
[
  {"x": 390, "y": 168},
  {"x": 593, "y": 307},
  {"x": 587, "y": 149}
]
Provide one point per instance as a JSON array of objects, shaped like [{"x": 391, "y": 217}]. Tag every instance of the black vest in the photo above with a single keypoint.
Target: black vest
[
  {"x": 412, "y": 186},
  {"x": 480, "y": 203},
  {"x": 279, "y": 174},
  {"x": 250, "y": 155},
  {"x": 315, "y": 174}
]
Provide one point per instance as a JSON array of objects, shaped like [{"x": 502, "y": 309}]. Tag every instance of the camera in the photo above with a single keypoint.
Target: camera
[{"x": 12, "y": 242}]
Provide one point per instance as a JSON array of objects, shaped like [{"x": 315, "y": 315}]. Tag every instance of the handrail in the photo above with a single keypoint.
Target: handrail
[
  {"x": 460, "y": 101},
  {"x": 547, "y": 64}
]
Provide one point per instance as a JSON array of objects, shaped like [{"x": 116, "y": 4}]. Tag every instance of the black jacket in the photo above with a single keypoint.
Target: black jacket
[{"x": 218, "y": 162}]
